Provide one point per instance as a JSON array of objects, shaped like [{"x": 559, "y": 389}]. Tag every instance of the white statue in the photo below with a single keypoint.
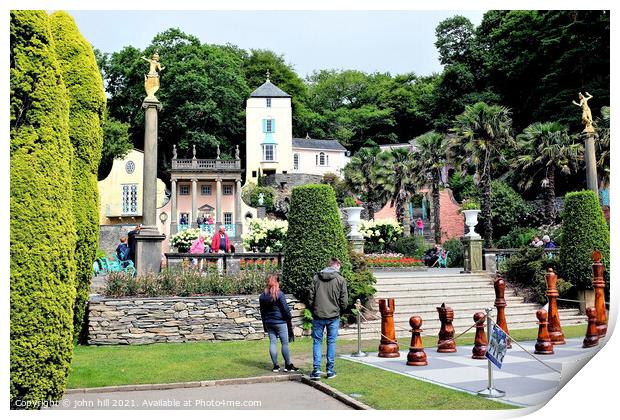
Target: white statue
[{"x": 261, "y": 199}]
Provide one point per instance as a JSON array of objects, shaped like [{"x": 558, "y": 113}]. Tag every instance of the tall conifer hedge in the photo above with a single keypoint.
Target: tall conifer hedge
[
  {"x": 315, "y": 234},
  {"x": 86, "y": 108},
  {"x": 42, "y": 228},
  {"x": 584, "y": 230}
]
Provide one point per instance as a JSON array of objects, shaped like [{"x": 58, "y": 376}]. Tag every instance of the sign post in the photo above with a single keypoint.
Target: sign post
[{"x": 496, "y": 350}]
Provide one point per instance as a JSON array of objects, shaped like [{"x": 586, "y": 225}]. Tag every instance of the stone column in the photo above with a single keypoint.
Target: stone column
[
  {"x": 218, "y": 202},
  {"x": 174, "y": 224},
  {"x": 148, "y": 241},
  {"x": 238, "y": 215},
  {"x": 194, "y": 202},
  {"x": 590, "y": 157}
]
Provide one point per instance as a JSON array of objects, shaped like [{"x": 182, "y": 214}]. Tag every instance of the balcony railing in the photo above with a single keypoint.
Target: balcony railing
[
  {"x": 231, "y": 229},
  {"x": 214, "y": 164}
]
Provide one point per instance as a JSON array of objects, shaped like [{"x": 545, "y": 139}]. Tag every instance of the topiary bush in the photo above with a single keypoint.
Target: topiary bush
[
  {"x": 314, "y": 235},
  {"x": 86, "y": 109},
  {"x": 41, "y": 219},
  {"x": 455, "y": 252},
  {"x": 584, "y": 230}
]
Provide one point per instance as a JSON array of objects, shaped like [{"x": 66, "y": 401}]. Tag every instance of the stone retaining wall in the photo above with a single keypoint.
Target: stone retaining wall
[{"x": 134, "y": 320}]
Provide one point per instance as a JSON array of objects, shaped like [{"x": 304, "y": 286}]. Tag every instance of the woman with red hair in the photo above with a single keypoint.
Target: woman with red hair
[{"x": 275, "y": 313}]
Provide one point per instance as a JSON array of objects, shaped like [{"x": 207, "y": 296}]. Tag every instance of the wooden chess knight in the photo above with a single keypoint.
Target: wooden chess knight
[
  {"x": 446, "y": 342},
  {"x": 389, "y": 345}
]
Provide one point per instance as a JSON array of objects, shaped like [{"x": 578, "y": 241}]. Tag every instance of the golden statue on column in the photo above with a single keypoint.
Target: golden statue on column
[
  {"x": 586, "y": 114},
  {"x": 151, "y": 80}
]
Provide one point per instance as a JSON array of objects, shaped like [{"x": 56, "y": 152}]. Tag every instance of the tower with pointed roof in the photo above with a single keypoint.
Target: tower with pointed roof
[{"x": 269, "y": 132}]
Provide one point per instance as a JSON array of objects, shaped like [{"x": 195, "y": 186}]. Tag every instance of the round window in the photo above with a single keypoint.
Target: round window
[{"x": 130, "y": 167}]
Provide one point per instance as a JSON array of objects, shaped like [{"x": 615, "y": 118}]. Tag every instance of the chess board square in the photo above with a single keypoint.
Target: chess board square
[{"x": 456, "y": 375}]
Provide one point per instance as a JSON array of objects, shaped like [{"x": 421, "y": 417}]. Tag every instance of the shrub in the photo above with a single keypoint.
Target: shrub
[
  {"x": 339, "y": 185},
  {"x": 315, "y": 234},
  {"x": 470, "y": 204},
  {"x": 463, "y": 187},
  {"x": 183, "y": 240},
  {"x": 584, "y": 230},
  {"x": 527, "y": 268},
  {"x": 265, "y": 235},
  {"x": 361, "y": 284},
  {"x": 410, "y": 246},
  {"x": 86, "y": 108},
  {"x": 380, "y": 234},
  {"x": 349, "y": 202},
  {"x": 455, "y": 252},
  {"x": 251, "y": 193},
  {"x": 517, "y": 237},
  {"x": 42, "y": 232}
]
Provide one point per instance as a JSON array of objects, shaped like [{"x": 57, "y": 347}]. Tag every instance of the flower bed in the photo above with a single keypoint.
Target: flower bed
[{"x": 392, "y": 260}]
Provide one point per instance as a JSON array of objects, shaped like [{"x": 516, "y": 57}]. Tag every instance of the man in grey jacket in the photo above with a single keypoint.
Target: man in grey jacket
[{"x": 328, "y": 298}]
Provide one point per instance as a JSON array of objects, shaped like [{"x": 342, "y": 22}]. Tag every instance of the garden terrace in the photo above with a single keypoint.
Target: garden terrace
[{"x": 230, "y": 262}]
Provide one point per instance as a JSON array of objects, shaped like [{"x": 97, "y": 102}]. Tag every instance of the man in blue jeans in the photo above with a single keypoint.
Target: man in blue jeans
[{"x": 327, "y": 298}]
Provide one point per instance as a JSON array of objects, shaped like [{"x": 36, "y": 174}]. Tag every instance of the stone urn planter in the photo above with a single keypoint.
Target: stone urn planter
[
  {"x": 353, "y": 219},
  {"x": 471, "y": 220}
]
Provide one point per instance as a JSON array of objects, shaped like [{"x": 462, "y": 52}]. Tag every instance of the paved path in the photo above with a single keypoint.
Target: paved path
[
  {"x": 526, "y": 381},
  {"x": 287, "y": 395}
]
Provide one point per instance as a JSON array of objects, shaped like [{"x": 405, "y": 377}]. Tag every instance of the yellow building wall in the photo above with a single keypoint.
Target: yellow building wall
[
  {"x": 111, "y": 190},
  {"x": 256, "y": 111}
]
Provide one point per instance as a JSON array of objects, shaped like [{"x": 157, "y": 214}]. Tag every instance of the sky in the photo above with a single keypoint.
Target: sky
[{"x": 371, "y": 41}]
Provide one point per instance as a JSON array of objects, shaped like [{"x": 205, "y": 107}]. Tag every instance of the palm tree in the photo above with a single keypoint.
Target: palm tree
[
  {"x": 430, "y": 159},
  {"x": 357, "y": 175},
  {"x": 602, "y": 145},
  {"x": 394, "y": 173},
  {"x": 483, "y": 133},
  {"x": 542, "y": 149}
]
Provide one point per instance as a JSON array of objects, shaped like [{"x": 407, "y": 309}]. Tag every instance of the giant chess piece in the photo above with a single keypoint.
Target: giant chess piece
[
  {"x": 543, "y": 342},
  {"x": 592, "y": 337},
  {"x": 446, "y": 343},
  {"x": 480, "y": 341},
  {"x": 416, "y": 356},
  {"x": 598, "y": 282},
  {"x": 389, "y": 345},
  {"x": 555, "y": 329},
  {"x": 500, "y": 303}
]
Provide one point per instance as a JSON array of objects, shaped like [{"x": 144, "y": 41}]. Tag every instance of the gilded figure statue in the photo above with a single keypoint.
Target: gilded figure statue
[
  {"x": 586, "y": 113},
  {"x": 151, "y": 80}
]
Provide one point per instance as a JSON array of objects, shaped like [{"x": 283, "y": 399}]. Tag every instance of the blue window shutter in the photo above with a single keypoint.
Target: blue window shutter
[
  {"x": 273, "y": 126},
  {"x": 264, "y": 126}
]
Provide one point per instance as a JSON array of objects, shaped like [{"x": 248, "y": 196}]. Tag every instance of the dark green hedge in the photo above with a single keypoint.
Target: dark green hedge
[
  {"x": 315, "y": 234},
  {"x": 584, "y": 230},
  {"x": 42, "y": 228},
  {"x": 86, "y": 108}
]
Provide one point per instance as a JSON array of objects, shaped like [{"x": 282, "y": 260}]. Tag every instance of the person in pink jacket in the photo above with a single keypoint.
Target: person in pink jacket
[{"x": 198, "y": 247}]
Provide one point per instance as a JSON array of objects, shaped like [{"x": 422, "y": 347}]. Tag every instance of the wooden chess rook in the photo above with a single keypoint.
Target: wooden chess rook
[
  {"x": 592, "y": 336},
  {"x": 480, "y": 341},
  {"x": 543, "y": 342},
  {"x": 598, "y": 282},
  {"x": 416, "y": 355},
  {"x": 500, "y": 303},
  {"x": 555, "y": 329},
  {"x": 389, "y": 345},
  {"x": 446, "y": 342}
]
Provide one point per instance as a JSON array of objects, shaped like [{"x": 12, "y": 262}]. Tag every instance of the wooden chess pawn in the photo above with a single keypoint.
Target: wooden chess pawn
[
  {"x": 446, "y": 342},
  {"x": 416, "y": 356},
  {"x": 480, "y": 341},
  {"x": 543, "y": 342},
  {"x": 598, "y": 283},
  {"x": 500, "y": 303},
  {"x": 592, "y": 336},
  {"x": 555, "y": 329},
  {"x": 389, "y": 345}
]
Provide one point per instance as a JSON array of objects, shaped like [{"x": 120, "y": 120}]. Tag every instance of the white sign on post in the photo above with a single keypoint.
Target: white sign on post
[{"x": 496, "y": 349}]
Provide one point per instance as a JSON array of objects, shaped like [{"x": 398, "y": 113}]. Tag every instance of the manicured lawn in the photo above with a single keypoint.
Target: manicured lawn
[{"x": 95, "y": 366}]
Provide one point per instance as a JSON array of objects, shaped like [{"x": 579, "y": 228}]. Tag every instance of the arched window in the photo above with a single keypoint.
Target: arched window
[
  {"x": 322, "y": 159},
  {"x": 296, "y": 161}
]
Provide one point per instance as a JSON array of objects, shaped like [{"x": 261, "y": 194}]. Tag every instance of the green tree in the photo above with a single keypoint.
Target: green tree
[
  {"x": 542, "y": 150},
  {"x": 395, "y": 173},
  {"x": 602, "y": 145},
  {"x": 315, "y": 234},
  {"x": 584, "y": 231},
  {"x": 455, "y": 40},
  {"x": 358, "y": 176},
  {"x": 483, "y": 131},
  {"x": 41, "y": 221},
  {"x": 86, "y": 108},
  {"x": 430, "y": 158},
  {"x": 116, "y": 144}
]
